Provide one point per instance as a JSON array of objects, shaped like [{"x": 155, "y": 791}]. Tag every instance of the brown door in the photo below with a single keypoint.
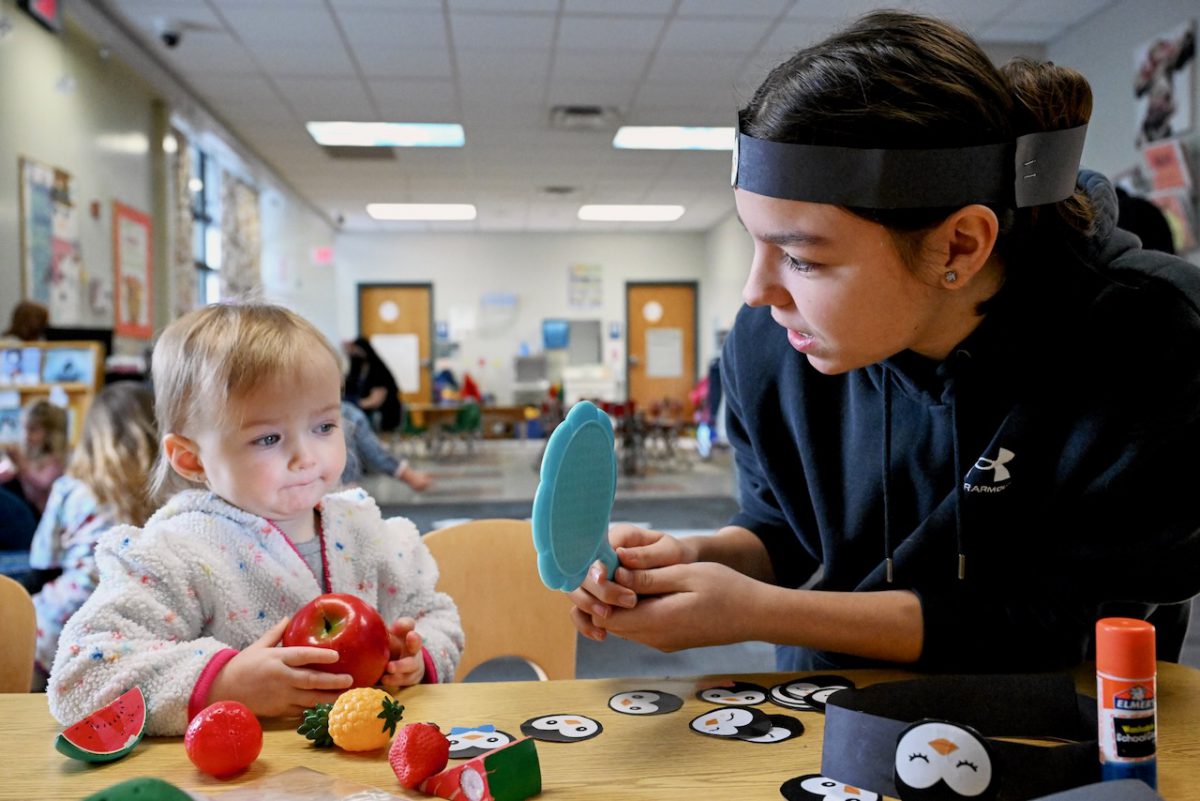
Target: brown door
[
  {"x": 401, "y": 309},
  {"x": 661, "y": 322}
]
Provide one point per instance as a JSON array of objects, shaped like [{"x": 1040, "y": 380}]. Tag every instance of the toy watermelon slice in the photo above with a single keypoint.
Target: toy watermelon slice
[{"x": 109, "y": 733}]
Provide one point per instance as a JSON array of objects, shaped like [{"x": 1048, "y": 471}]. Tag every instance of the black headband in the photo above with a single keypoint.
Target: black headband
[
  {"x": 1036, "y": 169},
  {"x": 873, "y": 735}
]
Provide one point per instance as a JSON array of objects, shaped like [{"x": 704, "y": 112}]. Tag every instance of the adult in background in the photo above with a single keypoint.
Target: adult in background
[
  {"x": 28, "y": 323},
  {"x": 371, "y": 386}
]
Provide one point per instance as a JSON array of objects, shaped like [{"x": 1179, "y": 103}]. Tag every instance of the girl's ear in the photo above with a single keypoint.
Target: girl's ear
[
  {"x": 968, "y": 238},
  {"x": 183, "y": 456}
]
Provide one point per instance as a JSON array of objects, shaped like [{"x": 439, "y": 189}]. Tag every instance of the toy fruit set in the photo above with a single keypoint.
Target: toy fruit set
[
  {"x": 362, "y": 719},
  {"x": 223, "y": 739},
  {"x": 509, "y": 773},
  {"x": 109, "y": 733},
  {"x": 348, "y": 625},
  {"x": 143, "y": 788}
]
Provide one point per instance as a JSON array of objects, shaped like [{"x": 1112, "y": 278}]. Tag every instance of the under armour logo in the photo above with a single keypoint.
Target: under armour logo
[{"x": 1004, "y": 457}]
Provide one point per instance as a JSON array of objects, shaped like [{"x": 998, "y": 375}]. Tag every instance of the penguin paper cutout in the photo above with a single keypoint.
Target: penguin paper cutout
[
  {"x": 808, "y": 693},
  {"x": 734, "y": 693},
  {"x": 815, "y": 787},
  {"x": 470, "y": 742},
  {"x": 562, "y": 728},
  {"x": 783, "y": 727},
  {"x": 941, "y": 761},
  {"x": 645, "y": 702},
  {"x": 732, "y": 722}
]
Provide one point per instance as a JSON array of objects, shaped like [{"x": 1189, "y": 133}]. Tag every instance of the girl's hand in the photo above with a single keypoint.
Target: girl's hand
[
  {"x": 407, "y": 666},
  {"x": 274, "y": 681},
  {"x": 637, "y": 549}
]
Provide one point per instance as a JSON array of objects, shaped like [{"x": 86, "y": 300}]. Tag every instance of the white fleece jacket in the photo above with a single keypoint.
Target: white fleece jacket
[{"x": 203, "y": 576}]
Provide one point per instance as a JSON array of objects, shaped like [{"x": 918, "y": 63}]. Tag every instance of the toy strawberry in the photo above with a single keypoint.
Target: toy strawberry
[{"x": 418, "y": 751}]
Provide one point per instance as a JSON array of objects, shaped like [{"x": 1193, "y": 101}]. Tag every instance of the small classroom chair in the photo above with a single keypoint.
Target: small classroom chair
[
  {"x": 18, "y": 627},
  {"x": 489, "y": 568}
]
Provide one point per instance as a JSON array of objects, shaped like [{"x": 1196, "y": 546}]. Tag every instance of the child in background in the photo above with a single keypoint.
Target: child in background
[
  {"x": 29, "y": 471},
  {"x": 364, "y": 452},
  {"x": 191, "y": 606},
  {"x": 106, "y": 483}
]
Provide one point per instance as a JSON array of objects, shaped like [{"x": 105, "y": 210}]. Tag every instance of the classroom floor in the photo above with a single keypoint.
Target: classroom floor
[{"x": 683, "y": 495}]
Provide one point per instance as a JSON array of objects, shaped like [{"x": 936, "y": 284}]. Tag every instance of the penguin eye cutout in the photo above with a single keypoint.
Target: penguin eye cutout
[{"x": 931, "y": 752}]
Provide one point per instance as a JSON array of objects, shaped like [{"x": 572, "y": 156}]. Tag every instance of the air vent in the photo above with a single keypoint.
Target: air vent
[
  {"x": 360, "y": 153},
  {"x": 558, "y": 190},
  {"x": 583, "y": 118}
]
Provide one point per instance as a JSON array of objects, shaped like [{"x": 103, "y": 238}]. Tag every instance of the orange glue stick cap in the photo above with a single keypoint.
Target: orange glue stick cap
[{"x": 1125, "y": 647}]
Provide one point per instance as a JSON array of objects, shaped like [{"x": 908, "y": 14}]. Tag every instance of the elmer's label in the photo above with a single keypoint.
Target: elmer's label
[{"x": 1127, "y": 719}]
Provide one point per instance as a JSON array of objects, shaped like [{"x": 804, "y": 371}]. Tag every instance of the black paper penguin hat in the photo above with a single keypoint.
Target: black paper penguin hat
[
  {"x": 945, "y": 738},
  {"x": 1033, "y": 170}
]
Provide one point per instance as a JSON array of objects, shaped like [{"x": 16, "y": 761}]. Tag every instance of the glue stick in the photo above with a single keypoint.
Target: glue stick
[{"x": 1125, "y": 681}]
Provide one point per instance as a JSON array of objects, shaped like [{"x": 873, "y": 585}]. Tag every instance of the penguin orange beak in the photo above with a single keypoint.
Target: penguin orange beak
[
  {"x": 942, "y": 746},
  {"x": 851, "y": 789}
]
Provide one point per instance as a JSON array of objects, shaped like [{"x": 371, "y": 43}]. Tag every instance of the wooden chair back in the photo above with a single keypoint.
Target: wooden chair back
[
  {"x": 18, "y": 625},
  {"x": 489, "y": 568}
]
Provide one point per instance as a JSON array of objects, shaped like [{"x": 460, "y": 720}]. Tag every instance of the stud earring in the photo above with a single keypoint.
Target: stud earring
[{"x": 951, "y": 276}]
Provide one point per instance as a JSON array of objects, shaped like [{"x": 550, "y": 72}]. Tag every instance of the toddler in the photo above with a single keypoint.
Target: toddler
[
  {"x": 28, "y": 472},
  {"x": 191, "y": 606},
  {"x": 106, "y": 484}
]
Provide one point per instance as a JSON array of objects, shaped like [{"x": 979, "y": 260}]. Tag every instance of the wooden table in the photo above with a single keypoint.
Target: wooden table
[
  {"x": 654, "y": 757},
  {"x": 432, "y": 415}
]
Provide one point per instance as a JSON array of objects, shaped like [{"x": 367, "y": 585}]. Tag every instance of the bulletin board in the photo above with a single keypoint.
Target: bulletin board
[{"x": 132, "y": 272}]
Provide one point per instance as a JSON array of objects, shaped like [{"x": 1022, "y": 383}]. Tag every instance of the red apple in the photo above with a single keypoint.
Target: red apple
[{"x": 348, "y": 625}]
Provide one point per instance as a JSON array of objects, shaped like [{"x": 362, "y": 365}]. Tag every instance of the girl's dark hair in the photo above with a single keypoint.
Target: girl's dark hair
[{"x": 900, "y": 80}]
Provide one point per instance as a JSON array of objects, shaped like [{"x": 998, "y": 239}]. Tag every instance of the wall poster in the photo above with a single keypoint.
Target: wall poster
[
  {"x": 1163, "y": 84},
  {"x": 132, "y": 272},
  {"x": 52, "y": 270}
]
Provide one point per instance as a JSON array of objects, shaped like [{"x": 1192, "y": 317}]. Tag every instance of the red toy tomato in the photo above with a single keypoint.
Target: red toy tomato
[
  {"x": 349, "y": 626},
  {"x": 223, "y": 738}
]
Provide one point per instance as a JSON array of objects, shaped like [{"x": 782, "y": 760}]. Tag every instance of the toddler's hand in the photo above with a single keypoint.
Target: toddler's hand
[
  {"x": 407, "y": 666},
  {"x": 274, "y": 681}
]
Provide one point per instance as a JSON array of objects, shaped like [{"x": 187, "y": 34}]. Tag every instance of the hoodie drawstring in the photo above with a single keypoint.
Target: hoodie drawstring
[
  {"x": 958, "y": 486},
  {"x": 887, "y": 474},
  {"x": 888, "y": 559}
]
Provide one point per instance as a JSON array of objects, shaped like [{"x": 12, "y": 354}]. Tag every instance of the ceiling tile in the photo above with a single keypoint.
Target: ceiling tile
[
  {"x": 303, "y": 57},
  {"x": 703, "y": 36},
  {"x": 742, "y": 9},
  {"x": 502, "y": 32},
  {"x": 326, "y": 98},
  {"x": 393, "y": 28},
  {"x": 609, "y": 34}
]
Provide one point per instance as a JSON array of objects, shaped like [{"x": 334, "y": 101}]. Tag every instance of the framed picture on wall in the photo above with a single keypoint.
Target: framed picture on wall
[
  {"x": 132, "y": 272},
  {"x": 48, "y": 13},
  {"x": 1164, "y": 83},
  {"x": 51, "y": 260}
]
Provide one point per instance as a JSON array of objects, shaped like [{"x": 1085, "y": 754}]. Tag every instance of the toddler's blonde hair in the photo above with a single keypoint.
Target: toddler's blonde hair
[
  {"x": 116, "y": 450},
  {"x": 212, "y": 355},
  {"x": 52, "y": 420}
]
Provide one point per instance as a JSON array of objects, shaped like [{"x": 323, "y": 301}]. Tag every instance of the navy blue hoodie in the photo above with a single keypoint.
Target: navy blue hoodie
[{"x": 1069, "y": 421}]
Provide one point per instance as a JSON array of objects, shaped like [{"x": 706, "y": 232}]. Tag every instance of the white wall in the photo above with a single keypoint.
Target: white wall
[
  {"x": 729, "y": 253},
  {"x": 290, "y": 233},
  {"x": 466, "y": 268},
  {"x": 67, "y": 107}
]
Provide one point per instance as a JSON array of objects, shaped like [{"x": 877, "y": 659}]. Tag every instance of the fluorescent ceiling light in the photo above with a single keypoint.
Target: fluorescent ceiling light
[
  {"x": 421, "y": 211},
  {"x": 630, "y": 213},
  {"x": 387, "y": 134},
  {"x": 672, "y": 137}
]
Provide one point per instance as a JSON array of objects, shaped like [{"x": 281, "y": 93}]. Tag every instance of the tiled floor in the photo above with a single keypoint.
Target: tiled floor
[{"x": 686, "y": 496}]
